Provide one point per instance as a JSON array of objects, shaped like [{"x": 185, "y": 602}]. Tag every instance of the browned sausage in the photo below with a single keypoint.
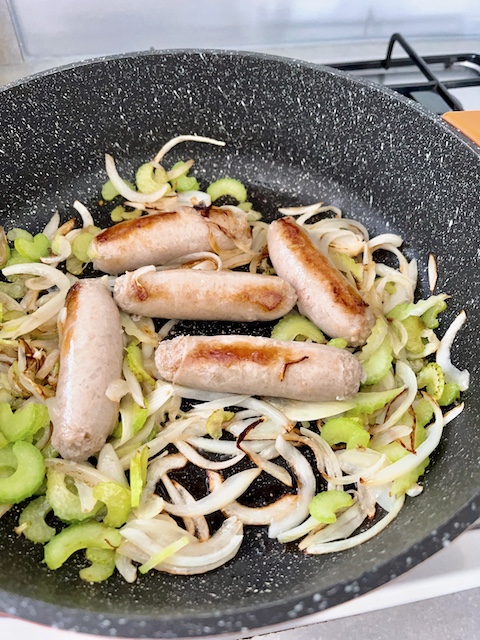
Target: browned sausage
[
  {"x": 190, "y": 294},
  {"x": 161, "y": 237},
  {"x": 260, "y": 366},
  {"x": 91, "y": 354},
  {"x": 324, "y": 294}
]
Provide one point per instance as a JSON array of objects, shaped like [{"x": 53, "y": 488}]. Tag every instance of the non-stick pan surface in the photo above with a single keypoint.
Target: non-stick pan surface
[{"x": 296, "y": 133}]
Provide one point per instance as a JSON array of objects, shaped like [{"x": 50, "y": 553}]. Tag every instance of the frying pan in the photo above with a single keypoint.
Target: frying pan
[{"x": 295, "y": 133}]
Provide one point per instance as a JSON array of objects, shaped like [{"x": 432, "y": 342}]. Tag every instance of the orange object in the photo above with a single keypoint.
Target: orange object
[{"x": 468, "y": 122}]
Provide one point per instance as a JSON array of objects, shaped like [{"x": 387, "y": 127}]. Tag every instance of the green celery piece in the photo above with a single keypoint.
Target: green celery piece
[
  {"x": 433, "y": 378},
  {"x": 414, "y": 326},
  {"x": 394, "y": 450},
  {"x": 186, "y": 183},
  {"x": 215, "y": 421},
  {"x": 15, "y": 290},
  {"x": 430, "y": 317},
  {"x": 345, "y": 429},
  {"x": 347, "y": 264},
  {"x": 324, "y": 506},
  {"x": 403, "y": 483},
  {"x": 3, "y": 441},
  {"x": 339, "y": 343},
  {"x": 149, "y": 180},
  {"x": 227, "y": 187},
  {"x": 65, "y": 504},
  {"x": 80, "y": 246},
  {"x": 421, "y": 308},
  {"x": 162, "y": 555},
  {"x": 378, "y": 365},
  {"x": 451, "y": 393},
  {"x": 33, "y": 249},
  {"x": 117, "y": 499},
  {"x": 423, "y": 412},
  {"x": 102, "y": 567},
  {"x": 138, "y": 474},
  {"x": 366, "y": 402},
  {"x": 293, "y": 326},
  {"x": 120, "y": 213},
  {"x": 28, "y": 475},
  {"x": 86, "y": 535},
  {"x": 37, "y": 530},
  {"x": 25, "y": 422},
  {"x": 135, "y": 363},
  {"x": 16, "y": 232},
  {"x": 109, "y": 192}
]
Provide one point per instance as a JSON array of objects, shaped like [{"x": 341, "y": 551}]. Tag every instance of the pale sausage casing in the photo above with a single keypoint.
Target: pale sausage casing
[
  {"x": 190, "y": 294},
  {"x": 91, "y": 355},
  {"x": 324, "y": 294},
  {"x": 260, "y": 366},
  {"x": 159, "y": 238}
]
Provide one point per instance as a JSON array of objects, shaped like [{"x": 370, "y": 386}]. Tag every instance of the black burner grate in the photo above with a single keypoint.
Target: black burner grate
[{"x": 432, "y": 91}]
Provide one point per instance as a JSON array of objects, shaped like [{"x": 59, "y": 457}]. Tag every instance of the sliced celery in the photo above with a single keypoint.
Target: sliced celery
[
  {"x": 28, "y": 475},
  {"x": 33, "y": 249},
  {"x": 433, "y": 378},
  {"x": 347, "y": 264},
  {"x": 346, "y": 430},
  {"x": 227, "y": 187},
  {"x": 102, "y": 567},
  {"x": 4, "y": 248},
  {"x": 294, "y": 326},
  {"x": 366, "y": 402},
  {"x": 25, "y": 422},
  {"x": 430, "y": 317},
  {"x": 138, "y": 474},
  {"x": 117, "y": 499},
  {"x": 403, "y": 483},
  {"x": 215, "y": 421},
  {"x": 414, "y": 326},
  {"x": 324, "y": 506},
  {"x": 376, "y": 355},
  {"x": 15, "y": 233},
  {"x": 339, "y": 343},
  {"x": 149, "y": 180},
  {"x": 80, "y": 536},
  {"x": 65, "y": 504},
  {"x": 33, "y": 516},
  {"x": 165, "y": 553},
  {"x": 451, "y": 392},
  {"x": 80, "y": 246},
  {"x": 135, "y": 363},
  {"x": 120, "y": 213}
]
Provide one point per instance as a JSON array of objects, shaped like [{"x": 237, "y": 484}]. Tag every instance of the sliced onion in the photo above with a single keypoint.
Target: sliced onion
[
  {"x": 299, "y": 411},
  {"x": 340, "y": 545},
  {"x": 262, "y": 463},
  {"x": 231, "y": 489},
  {"x": 231, "y": 400},
  {"x": 310, "y": 209},
  {"x": 409, "y": 379},
  {"x": 125, "y": 567},
  {"x": 81, "y": 471},
  {"x": 452, "y": 374},
  {"x": 432, "y": 272},
  {"x": 117, "y": 389},
  {"x": 85, "y": 495},
  {"x": 193, "y": 199},
  {"x": 453, "y": 413},
  {"x": 62, "y": 250},
  {"x": 199, "y": 524},
  {"x": 332, "y": 465},
  {"x": 306, "y": 487},
  {"x": 255, "y": 515},
  {"x": 203, "y": 463},
  {"x": 123, "y": 189},
  {"x": 109, "y": 464},
  {"x": 157, "y": 399},
  {"x": 26, "y": 324},
  {"x": 150, "y": 504},
  {"x": 84, "y": 213},
  {"x": 184, "y": 138},
  {"x": 52, "y": 226},
  {"x": 133, "y": 384},
  {"x": 265, "y": 408},
  {"x": 362, "y": 474},
  {"x": 412, "y": 460},
  {"x": 55, "y": 276},
  {"x": 310, "y": 524}
]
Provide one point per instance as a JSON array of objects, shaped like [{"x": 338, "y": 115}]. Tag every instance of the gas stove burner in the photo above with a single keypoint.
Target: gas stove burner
[{"x": 427, "y": 80}]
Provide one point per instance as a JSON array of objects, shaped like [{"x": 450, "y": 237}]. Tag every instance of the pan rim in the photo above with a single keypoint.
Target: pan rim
[{"x": 149, "y": 626}]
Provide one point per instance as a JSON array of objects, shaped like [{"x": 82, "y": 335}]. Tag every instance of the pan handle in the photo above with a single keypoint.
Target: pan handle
[{"x": 468, "y": 122}]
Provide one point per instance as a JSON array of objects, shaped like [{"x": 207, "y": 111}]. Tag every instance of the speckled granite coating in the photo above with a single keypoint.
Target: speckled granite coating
[{"x": 296, "y": 133}]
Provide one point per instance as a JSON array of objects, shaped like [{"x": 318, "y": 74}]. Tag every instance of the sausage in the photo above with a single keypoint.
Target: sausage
[
  {"x": 324, "y": 295},
  {"x": 161, "y": 237},
  {"x": 190, "y": 294},
  {"x": 260, "y": 366},
  {"x": 91, "y": 355}
]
